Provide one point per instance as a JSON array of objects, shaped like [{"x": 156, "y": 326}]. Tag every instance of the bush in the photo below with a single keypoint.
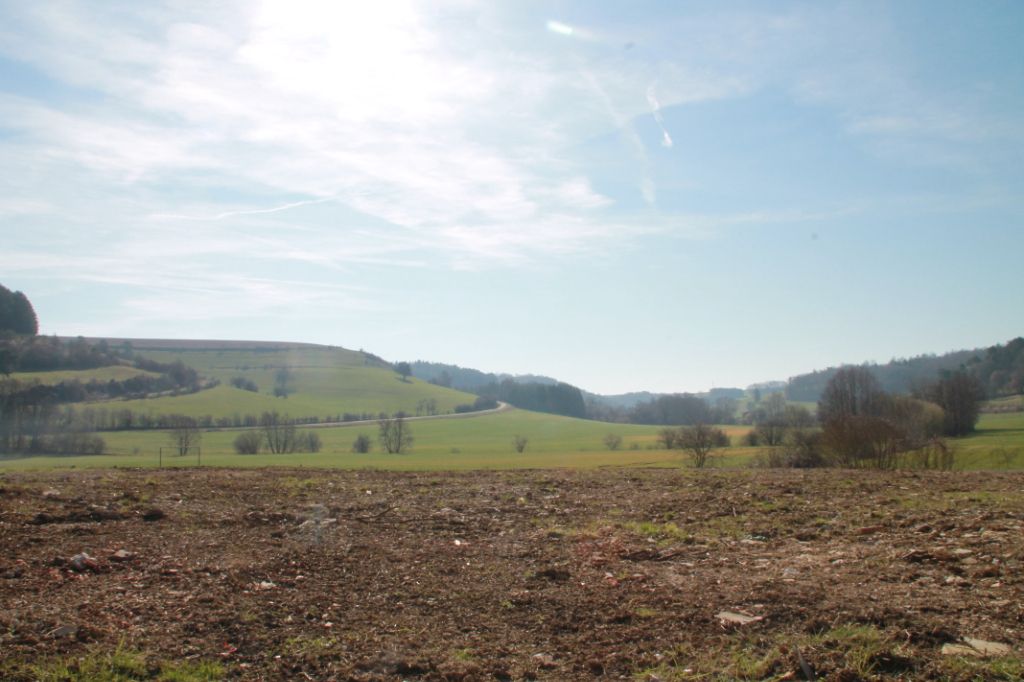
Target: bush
[
  {"x": 613, "y": 441},
  {"x": 308, "y": 441},
  {"x": 248, "y": 443},
  {"x": 519, "y": 443},
  {"x": 244, "y": 384},
  {"x": 362, "y": 444},
  {"x": 700, "y": 441},
  {"x": 482, "y": 403},
  {"x": 73, "y": 444}
]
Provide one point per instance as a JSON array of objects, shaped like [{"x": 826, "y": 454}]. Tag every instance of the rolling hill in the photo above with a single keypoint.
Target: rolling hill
[{"x": 320, "y": 382}]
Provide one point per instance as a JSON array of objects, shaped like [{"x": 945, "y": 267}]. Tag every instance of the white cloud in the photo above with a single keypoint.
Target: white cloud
[{"x": 367, "y": 105}]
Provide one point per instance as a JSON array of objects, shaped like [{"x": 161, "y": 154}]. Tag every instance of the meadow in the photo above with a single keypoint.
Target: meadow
[
  {"x": 318, "y": 392},
  {"x": 485, "y": 442},
  {"x": 326, "y": 382},
  {"x": 323, "y": 382}
]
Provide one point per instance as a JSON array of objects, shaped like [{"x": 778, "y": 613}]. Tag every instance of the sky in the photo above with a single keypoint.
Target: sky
[{"x": 659, "y": 196}]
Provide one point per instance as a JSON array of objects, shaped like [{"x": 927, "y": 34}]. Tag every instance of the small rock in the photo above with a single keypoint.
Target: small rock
[
  {"x": 869, "y": 530},
  {"x": 83, "y": 562},
  {"x": 51, "y": 493},
  {"x": 153, "y": 514},
  {"x": 976, "y": 647},
  {"x": 63, "y": 631},
  {"x": 733, "y": 618},
  {"x": 122, "y": 555},
  {"x": 545, "y": 661}
]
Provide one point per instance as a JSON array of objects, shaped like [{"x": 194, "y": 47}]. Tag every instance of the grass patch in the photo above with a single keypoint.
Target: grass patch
[
  {"x": 1003, "y": 669},
  {"x": 846, "y": 652},
  {"x": 119, "y": 665},
  {"x": 666, "y": 533}
]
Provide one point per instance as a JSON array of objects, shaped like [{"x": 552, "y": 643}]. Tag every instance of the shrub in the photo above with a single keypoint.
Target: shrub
[
  {"x": 71, "y": 443},
  {"x": 362, "y": 444},
  {"x": 244, "y": 384},
  {"x": 613, "y": 441},
  {"x": 248, "y": 443},
  {"x": 519, "y": 443},
  {"x": 308, "y": 441}
]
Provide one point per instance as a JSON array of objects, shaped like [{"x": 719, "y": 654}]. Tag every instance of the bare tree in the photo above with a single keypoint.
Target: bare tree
[
  {"x": 700, "y": 441},
  {"x": 185, "y": 434},
  {"x": 278, "y": 432},
  {"x": 612, "y": 441},
  {"x": 959, "y": 394},
  {"x": 851, "y": 392},
  {"x": 283, "y": 382},
  {"x": 519, "y": 442},
  {"x": 395, "y": 434}
]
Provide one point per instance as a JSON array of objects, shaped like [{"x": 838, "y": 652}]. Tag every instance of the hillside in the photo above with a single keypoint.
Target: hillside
[
  {"x": 306, "y": 381},
  {"x": 999, "y": 368}
]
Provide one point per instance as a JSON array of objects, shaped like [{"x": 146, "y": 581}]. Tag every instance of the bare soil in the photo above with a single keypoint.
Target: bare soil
[{"x": 611, "y": 574}]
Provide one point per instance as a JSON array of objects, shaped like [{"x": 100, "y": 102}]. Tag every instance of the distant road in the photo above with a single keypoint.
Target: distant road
[{"x": 502, "y": 407}]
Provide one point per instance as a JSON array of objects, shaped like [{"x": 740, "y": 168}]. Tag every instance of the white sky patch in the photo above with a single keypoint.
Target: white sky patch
[
  {"x": 559, "y": 28},
  {"x": 666, "y": 139}
]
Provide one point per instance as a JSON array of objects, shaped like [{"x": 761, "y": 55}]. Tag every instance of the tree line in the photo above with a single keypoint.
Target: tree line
[
  {"x": 684, "y": 409},
  {"x": 859, "y": 424},
  {"x": 999, "y": 369},
  {"x": 558, "y": 398}
]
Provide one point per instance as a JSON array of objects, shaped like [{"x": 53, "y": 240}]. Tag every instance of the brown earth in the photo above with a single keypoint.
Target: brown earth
[{"x": 612, "y": 574}]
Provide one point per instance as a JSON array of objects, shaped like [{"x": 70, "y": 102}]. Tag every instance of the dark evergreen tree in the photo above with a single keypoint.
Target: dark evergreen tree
[{"x": 16, "y": 313}]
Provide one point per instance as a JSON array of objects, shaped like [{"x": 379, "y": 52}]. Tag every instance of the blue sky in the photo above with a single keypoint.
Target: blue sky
[{"x": 626, "y": 196}]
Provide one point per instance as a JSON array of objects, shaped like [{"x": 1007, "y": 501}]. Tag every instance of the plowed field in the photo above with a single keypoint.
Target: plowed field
[{"x": 609, "y": 574}]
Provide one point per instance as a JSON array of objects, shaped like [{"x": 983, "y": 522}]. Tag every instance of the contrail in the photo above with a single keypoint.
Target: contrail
[
  {"x": 254, "y": 211},
  {"x": 666, "y": 139}
]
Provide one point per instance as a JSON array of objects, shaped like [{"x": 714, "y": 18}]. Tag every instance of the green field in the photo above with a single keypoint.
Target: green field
[
  {"x": 319, "y": 392},
  {"x": 485, "y": 442},
  {"x": 325, "y": 382},
  {"x": 476, "y": 442},
  {"x": 998, "y": 443}
]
